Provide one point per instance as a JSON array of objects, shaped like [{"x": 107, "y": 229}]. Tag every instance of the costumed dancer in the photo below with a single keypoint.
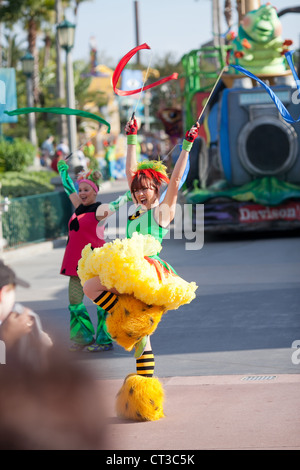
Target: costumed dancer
[
  {"x": 132, "y": 283},
  {"x": 83, "y": 228}
]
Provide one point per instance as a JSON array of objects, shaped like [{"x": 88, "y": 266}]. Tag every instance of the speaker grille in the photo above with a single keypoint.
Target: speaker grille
[{"x": 268, "y": 148}]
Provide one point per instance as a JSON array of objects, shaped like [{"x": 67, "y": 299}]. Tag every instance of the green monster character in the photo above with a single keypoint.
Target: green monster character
[{"x": 259, "y": 46}]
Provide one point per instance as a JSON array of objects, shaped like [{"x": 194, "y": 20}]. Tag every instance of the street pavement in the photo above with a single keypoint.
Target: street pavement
[{"x": 230, "y": 374}]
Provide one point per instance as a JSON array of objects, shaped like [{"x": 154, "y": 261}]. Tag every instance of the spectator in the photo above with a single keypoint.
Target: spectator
[
  {"x": 110, "y": 157},
  {"x": 64, "y": 148},
  {"x": 58, "y": 156},
  {"x": 89, "y": 149},
  {"x": 47, "y": 151},
  {"x": 83, "y": 160},
  {"x": 57, "y": 408},
  {"x": 20, "y": 328}
]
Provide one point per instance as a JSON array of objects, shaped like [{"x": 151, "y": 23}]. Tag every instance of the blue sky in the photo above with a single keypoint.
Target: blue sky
[{"x": 167, "y": 26}]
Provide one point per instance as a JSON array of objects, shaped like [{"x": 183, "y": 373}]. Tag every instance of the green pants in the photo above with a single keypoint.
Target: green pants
[{"x": 81, "y": 328}]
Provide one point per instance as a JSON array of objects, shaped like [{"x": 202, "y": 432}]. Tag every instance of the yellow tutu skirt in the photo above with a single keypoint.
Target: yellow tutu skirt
[{"x": 125, "y": 265}]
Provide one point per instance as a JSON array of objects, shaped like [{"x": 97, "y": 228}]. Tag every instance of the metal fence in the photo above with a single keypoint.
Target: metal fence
[{"x": 36, "y": 218}]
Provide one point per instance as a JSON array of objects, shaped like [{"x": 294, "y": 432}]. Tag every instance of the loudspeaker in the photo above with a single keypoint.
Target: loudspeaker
[{"x": 255, "y": 141}]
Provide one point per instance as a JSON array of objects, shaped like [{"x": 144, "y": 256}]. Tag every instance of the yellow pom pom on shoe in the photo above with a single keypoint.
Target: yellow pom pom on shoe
[
  {"x": 131, "y": 320},
  {"x": 140, "y": 399}
]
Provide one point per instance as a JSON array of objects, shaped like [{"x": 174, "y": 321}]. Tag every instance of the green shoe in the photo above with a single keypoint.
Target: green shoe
[
  {"x": 77, "y": 347},
  {"x": 100, "y": 347},
  {"x": 140, "y": 347}
]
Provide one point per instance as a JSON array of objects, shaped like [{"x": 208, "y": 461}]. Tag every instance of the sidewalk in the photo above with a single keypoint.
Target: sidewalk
[
  {"x": 204, "y": 412},
  {"x": 215, "y": 413}
]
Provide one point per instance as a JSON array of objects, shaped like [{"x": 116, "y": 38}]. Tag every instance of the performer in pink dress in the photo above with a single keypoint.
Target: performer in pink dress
[{"x": 84, "y": 228}]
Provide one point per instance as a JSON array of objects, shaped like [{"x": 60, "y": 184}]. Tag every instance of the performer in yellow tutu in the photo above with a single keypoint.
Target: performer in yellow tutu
[{"x": 131, "y": 282}]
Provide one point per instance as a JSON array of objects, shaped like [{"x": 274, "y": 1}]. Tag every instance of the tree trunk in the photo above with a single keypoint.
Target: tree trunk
[
  {"x": 32, "y": 35},
  {"x": 62, "y": 129},
  {"x": 47, "y": 49}
]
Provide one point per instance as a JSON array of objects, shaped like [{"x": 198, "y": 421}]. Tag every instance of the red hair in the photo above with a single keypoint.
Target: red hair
[{"x": 155, "y": 178}]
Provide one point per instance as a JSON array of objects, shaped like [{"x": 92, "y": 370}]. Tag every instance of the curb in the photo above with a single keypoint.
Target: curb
[{"x": 36, "y": 248}]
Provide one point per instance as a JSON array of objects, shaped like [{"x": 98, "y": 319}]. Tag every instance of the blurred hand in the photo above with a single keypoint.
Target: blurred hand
[
  {"x": 15, "y": 326},
  {"x": 131, "y": 127},
  {"x": 47, "y": 341},
  {"x": 192, "y": 134}
]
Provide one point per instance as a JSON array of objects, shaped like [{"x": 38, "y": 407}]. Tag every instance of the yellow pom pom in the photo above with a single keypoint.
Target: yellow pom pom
[
  {"x": 140, "y": 399},
  {"x": 132, "y": 319}
]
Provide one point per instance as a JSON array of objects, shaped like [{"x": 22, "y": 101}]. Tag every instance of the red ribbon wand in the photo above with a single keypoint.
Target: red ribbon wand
[{"x": 119, "y": 69}]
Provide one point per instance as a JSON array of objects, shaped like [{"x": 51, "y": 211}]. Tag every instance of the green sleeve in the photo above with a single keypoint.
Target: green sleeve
[
  {"x": 115, "y": 205},
  {"x": 67, "y": 182}
]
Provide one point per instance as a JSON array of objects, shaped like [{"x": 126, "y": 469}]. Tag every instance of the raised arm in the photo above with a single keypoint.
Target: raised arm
[
  {"x": 166, "y": 210},
  {"x": 105, "y": 210},
  {"x": 67, "y": 183},
  {"x": 131, "y": 161}
]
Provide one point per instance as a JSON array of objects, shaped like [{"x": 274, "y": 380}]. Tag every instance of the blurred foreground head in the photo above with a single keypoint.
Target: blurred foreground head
[{"x": 57, "y": 408}]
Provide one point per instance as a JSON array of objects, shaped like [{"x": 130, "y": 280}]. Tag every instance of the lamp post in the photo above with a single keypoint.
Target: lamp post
[
  {"x": 28, "y": 67},
  {"x": 3, "y": 208},
  {"x": 66, "y": 35}
]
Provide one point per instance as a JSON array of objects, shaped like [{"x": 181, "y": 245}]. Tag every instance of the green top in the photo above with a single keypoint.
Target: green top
[{"x": 144, "y": 223}]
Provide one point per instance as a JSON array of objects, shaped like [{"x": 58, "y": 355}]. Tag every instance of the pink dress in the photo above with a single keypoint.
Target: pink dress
[{"x": 82, "y": 230}]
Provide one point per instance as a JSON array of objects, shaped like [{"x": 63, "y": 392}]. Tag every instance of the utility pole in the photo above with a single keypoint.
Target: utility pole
[
  {"x": 243, "y": 6},
  {"x": 62, "y": 129},
  {"x": 137, "y": 36},
  {"x": 218, "y": 41}
]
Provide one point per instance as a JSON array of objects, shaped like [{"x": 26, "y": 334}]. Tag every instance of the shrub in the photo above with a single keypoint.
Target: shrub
[
  {"x": 18, "y": 184},
  {"x": 35, "y": 218},
  {"x": 16, "y": 155}
]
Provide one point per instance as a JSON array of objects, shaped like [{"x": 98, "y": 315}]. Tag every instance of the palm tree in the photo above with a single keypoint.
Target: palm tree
[
  {"x": 13, "y": 49},
  {"x": 60, "y": 5},
  {"x": 31, "y": 13}
]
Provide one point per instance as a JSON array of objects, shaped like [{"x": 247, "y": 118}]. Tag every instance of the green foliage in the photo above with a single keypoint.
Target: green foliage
[
  {"x": 16, "y": 184},
  {"x": 93, "y": 164},
  {"x": 26, "y": 9},
  {"x": 16, "y": 155},
  {"x": 36, "y": 218}
]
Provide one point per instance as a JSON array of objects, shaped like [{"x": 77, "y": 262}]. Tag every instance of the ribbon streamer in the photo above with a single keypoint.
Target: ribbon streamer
[
  {"x": 119, "y": 69},
  {"x": 67, "y": 111},
  {"x": 280, "y": 106}
]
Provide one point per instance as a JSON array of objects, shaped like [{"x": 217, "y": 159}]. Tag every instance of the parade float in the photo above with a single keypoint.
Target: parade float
[{"x": 245, "y": 167}]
